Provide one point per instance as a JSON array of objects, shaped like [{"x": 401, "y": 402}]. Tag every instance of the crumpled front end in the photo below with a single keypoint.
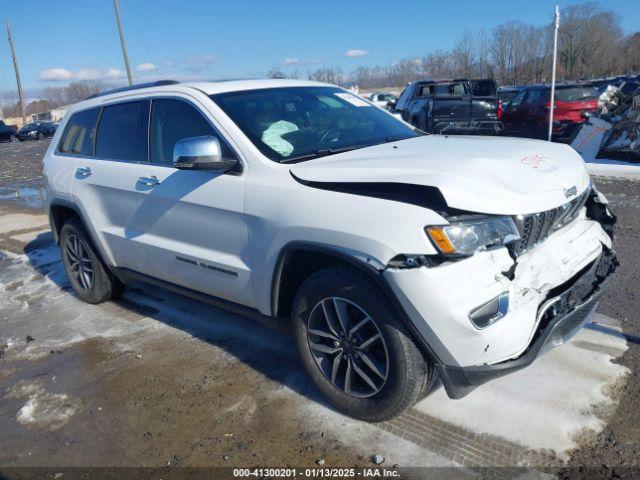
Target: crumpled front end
[{"x": 530, "y": 297}]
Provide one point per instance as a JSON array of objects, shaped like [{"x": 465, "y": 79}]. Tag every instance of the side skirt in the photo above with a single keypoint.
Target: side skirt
[{"x": 127, "y": 276}]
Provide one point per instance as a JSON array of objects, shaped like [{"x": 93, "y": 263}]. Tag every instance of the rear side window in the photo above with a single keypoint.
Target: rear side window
[
  {"x": 574, "y": 94},
  {"x": 171, "y": 121},
  {"x": 122, "y": 133},
  {"x": 483, "y": 88},
  {"x": 79, "y": 133}
]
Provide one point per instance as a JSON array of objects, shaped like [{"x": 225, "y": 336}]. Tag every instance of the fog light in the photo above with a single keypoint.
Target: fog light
[{"x": 490, "y": 312}]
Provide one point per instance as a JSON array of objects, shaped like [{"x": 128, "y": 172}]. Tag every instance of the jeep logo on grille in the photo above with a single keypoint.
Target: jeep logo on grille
[{"x": 570, "y": 192}]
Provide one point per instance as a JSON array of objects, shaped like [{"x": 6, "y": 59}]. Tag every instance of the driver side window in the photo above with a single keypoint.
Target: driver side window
[
  {"x": 173, "y": 120},
  {"x": 517, "y": 100}
]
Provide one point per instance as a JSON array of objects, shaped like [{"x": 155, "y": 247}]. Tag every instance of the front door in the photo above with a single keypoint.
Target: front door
[{"x": 191, "y": 221}]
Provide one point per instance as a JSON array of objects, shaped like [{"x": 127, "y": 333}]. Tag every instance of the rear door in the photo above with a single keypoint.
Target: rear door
[
  {"x": 104, "y": 184},
  {"x": 192, "y": 221}
]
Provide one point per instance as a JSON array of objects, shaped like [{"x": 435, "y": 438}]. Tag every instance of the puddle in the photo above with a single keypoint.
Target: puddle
[{"x": 25, "y": 196}]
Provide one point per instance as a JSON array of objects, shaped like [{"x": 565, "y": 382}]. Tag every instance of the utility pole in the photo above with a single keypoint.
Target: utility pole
[
  {"x": 15, "y": 67},
  {"x": 553, "y": 70},
  {"x": 122, "y": 43}
]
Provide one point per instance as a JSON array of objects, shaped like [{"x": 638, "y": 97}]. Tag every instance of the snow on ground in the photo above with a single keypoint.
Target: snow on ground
[
  {"x": 543, "y": 406},
  {"x": 547, "y": 404},
  {"x": 613, "y": 168}
]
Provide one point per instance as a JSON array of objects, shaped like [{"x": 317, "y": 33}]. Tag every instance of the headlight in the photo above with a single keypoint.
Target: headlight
[{"x": 465, "y": 237}]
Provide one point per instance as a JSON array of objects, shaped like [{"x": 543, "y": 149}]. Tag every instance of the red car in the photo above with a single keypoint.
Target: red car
[{"x": 527, "y": 114}]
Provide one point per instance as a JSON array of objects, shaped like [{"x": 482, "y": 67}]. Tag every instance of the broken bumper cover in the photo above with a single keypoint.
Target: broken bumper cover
[{"x": 567, "y": 309}]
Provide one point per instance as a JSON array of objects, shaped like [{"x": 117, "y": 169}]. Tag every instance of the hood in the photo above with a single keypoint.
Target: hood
[{"x": 493, "y": 175}]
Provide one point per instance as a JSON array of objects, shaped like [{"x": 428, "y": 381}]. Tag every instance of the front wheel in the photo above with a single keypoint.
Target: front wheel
[
  {"x": 89, "y": 277},
  {"x": 355, "y": 349},
  {"x": 13, "y": 139}
]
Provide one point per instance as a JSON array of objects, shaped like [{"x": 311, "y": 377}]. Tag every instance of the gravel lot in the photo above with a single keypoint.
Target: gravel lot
[{"x": 144, "y": 403}]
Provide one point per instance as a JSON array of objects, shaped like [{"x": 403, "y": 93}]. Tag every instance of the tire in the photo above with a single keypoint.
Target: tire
[
  {"x": 40, "y": 136},
  {"x": 403, "y": 376},
  {"x": 13, "y": 139},
  {"x": 78, "y": 257}
]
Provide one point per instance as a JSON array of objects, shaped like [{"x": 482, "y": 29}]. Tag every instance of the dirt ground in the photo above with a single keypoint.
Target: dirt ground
[
  {"x": 139, "y": 393},
  {"x": 617, "y": 448}
]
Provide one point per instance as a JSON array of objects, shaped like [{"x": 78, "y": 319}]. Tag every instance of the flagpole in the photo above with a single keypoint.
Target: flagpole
[{"x": 553, "y": 71}]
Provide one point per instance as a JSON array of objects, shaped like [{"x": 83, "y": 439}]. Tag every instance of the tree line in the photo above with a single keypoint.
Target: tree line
[{"x": 591, "y": 44}]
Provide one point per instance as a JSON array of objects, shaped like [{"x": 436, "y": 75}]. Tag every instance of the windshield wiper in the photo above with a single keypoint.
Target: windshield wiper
[{"x": 323, "y": 152}]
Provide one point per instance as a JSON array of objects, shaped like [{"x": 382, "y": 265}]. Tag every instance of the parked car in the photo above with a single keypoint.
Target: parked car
[
  {"x": 7, "y": 133},
  {"x": 382, "y": 99},
  {"x": 506, "y": 93},
  {"x": 527, "y": 114},
  {"x": 394, "y": 256},
  {"x": 37, "y": 131},
  {"x": 452, "y": 106}
]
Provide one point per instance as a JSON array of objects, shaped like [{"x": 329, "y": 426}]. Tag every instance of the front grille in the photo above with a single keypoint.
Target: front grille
[{"x": 536, "y": 227}]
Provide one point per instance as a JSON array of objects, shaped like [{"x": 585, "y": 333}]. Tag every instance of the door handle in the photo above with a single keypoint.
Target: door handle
[
  {"x": 83, "y": 172},
  {"x": 149, "y": 181}
]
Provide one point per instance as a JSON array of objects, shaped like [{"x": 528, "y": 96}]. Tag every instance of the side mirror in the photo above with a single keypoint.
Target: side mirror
[{"x": 201, "y": 153}]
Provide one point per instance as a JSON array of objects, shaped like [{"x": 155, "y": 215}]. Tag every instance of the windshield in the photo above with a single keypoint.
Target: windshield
[{"x": 299, "y": 123}]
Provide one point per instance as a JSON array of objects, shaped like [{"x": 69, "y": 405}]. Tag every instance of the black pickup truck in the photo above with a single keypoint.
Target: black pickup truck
[{"x": 459, "y": 106}]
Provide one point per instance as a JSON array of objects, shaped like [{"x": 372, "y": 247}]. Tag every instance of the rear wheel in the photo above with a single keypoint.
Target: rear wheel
[
  {"x": 355, "y": 349},
  {"x": 88, "y": 275},
  {"x": 13, "y": 138}
]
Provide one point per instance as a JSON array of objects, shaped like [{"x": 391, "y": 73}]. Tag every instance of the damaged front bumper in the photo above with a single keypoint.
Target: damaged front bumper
[{"x": 567, "y": 308}]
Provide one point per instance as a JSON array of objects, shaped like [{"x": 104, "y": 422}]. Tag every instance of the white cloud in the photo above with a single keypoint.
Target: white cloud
[
  {"x": 55, "y": 75},
  {"x": 87, "y": 74},
  {"x": 113, "y": 74},
  {"x": 297, "y": 62},
  {"x": 82, "y": 74},
  {"x": 356, "y": 53},
  {"x": 146, "y": 67}
]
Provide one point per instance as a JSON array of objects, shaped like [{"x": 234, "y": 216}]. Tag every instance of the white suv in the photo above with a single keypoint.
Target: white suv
[{"x": 396, "y": 257}]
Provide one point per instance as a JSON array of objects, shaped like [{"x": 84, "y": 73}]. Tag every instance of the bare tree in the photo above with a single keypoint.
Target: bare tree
[
  {"x": 72, "y": 93},
  {"x": 275, "y": 72},
  {"x": 333, "y": 75}
]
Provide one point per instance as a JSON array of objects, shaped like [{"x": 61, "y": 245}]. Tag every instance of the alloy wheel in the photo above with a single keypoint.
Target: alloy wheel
[
  {"x": 80, "y": 266},
  {"x": 348, "y": 347}
]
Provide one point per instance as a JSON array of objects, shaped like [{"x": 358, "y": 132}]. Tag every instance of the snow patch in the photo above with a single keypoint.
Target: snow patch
[
  {"x": 613, "y": 168},
  {"x": 546, "y": 405},
  {"x": 43, "y": 409}
]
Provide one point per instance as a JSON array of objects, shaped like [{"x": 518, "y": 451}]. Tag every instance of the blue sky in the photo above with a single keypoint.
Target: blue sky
[{"x": 64, "y": 40}]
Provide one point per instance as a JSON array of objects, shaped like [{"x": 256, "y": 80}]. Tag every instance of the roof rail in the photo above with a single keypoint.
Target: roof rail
[{"x": 158, "y": 83}]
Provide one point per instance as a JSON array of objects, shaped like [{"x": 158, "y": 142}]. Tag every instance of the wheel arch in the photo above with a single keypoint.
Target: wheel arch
[
  {"x": 297, "y": 260},
  {"x": 288, "y": 275},
  {"x": 59, "y": 212}
]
